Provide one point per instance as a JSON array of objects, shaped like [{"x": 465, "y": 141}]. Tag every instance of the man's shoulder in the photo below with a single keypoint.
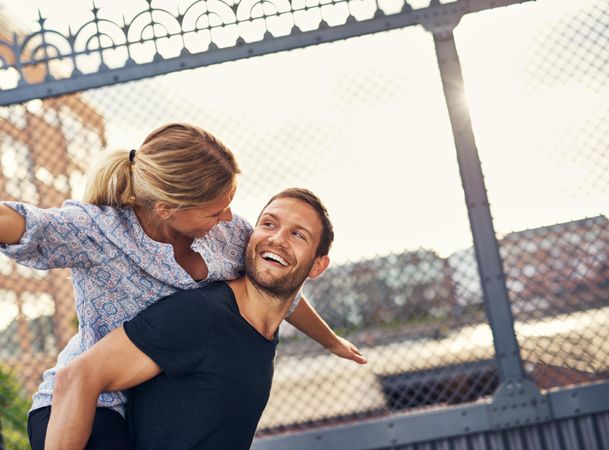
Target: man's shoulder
[
  {"x": 204, "y": 297},
  {"x": 182, "y": 320},
  {"x": 211, "y": 289},
  {"x": 184, "y": 310}
]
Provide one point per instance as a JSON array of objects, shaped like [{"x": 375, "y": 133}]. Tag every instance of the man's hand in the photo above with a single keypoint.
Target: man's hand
[
  {"x": 113, "y": 364},
  {"x": 347, "y": 350}
]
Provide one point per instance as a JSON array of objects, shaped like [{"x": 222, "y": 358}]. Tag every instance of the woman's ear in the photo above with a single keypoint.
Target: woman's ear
[{"x": 163, "y": 210}]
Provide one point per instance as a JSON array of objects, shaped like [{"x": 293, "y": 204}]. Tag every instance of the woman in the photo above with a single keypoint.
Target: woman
[{"x": 153, "y": 221}]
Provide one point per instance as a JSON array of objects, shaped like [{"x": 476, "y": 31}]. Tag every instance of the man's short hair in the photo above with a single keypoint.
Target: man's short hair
[{"x": 327, "y": 230}]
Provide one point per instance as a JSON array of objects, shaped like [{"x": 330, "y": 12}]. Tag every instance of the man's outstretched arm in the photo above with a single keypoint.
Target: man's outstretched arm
[{"x": 113, "y": 364}]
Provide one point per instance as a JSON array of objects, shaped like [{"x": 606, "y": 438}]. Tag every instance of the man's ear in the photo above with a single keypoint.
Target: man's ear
[
  {"x": 320, "y": 264},
  {"x": 163, "y": 210}
]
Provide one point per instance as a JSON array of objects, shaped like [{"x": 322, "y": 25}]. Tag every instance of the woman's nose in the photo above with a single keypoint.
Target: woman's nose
[{"x": 227, "y": 215}]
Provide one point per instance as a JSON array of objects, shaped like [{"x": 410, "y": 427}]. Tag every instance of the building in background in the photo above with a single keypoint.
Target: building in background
[
  {"x": 558, "y": 268},
  {"x": 45, "y": 146},
  {"x": 405, "y": 294}
]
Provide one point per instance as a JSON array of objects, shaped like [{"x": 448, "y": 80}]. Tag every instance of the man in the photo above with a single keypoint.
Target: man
[{"x": 207, "y": 353}]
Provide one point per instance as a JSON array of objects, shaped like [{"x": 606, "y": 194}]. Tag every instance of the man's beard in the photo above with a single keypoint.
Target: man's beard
[{"x": 282, "y": 287}]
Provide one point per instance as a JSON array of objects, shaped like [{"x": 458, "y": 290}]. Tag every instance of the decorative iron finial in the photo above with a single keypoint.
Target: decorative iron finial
[{"x": 41, "y": 20}]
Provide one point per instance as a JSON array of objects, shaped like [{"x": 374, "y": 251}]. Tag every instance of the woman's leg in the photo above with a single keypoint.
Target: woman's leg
[
  {"x": 110, "y": 430},
  {"x": 37, "y": 422}
]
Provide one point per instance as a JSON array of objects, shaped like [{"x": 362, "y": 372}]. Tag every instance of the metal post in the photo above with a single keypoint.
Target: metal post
[{"x": 485, "y": 242}]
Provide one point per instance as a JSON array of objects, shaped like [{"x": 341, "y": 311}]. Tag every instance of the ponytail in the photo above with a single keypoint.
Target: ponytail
[{"x": 110, "y": 180}]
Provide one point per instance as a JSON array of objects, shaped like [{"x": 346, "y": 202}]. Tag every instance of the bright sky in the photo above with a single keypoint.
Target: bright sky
[{"x": 368, "y": 120}]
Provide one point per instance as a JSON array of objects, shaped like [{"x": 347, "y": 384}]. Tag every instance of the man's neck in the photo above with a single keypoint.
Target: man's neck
[{"x": 263, "y": 311}]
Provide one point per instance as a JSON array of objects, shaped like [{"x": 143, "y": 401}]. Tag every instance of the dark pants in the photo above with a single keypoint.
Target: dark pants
[{"x": 110, "y": 430}]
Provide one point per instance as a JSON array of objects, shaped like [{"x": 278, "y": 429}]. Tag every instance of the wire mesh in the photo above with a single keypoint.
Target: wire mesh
[
  {"x": 368, "y": 131},
  {"x": 546, "y": 180}
]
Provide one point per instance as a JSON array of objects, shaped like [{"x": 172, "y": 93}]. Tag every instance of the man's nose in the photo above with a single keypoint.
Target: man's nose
[{"x": 279, "y": 237}]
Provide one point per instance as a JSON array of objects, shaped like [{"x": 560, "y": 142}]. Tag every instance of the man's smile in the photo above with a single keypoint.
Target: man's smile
[{"x": 271, "y": 256}]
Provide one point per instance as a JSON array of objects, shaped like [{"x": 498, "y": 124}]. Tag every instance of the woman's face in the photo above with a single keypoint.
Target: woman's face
[{"x": 197, "y": 221}]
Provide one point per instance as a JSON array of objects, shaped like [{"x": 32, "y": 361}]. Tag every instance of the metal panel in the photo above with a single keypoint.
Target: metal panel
[
  {"x": 404, "y": 430},
  {"x": 583, "y": 433},
  {"x": 579, "y": 400},
  {"x": 471, "y": 423}
]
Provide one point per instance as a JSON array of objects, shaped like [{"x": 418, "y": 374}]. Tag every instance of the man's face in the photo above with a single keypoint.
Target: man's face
[{"x": 281, "y": 252}]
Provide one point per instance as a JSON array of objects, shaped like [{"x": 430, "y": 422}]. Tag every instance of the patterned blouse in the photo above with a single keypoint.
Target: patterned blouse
[{"x": 117, "y": 270}]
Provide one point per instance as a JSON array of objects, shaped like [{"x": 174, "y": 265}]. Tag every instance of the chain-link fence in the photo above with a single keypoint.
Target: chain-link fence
[
  {"x": 363, "y": 123},
  {"x": 544, "y": 145}
]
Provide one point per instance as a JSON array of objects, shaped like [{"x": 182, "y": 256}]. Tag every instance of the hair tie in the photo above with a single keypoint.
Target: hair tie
[{"x": 131, "y": 155}]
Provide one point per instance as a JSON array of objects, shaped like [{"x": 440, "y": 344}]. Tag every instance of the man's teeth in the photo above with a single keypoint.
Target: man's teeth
[{"x": 274, "y": 257}]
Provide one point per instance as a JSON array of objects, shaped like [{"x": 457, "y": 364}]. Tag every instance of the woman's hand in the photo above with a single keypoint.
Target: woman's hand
[
  {"x": 306, "y": 319},
  {"x": 347, "y": 350}
]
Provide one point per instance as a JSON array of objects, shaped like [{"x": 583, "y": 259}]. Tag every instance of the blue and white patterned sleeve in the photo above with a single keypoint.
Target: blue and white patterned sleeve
[
  {"x": 54, "y": 237},
  {"x": 295, "y": 303},
  {"x": 223, "y": 249}
]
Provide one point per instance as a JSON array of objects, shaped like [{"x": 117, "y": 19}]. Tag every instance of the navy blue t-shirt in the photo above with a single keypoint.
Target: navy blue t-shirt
[{"x": 217, "y": 373}]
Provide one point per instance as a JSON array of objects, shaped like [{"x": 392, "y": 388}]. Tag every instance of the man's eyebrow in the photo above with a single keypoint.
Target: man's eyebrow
[{"x": 264, "y": 214}]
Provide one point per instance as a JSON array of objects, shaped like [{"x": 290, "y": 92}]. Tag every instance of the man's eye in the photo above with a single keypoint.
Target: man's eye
[{"x": 298, "y": 234}]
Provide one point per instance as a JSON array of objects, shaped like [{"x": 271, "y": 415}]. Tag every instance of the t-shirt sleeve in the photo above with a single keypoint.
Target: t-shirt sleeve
[
  {"x": 223, "y": 249},
  {"x": 54, "y": 237},
  {"x": 296, "y": 301},
  {"x": 172, "y": 332}
]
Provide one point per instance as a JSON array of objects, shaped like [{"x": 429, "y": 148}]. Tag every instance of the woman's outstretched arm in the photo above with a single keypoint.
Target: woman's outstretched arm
[{"x": 307, "y": 320}]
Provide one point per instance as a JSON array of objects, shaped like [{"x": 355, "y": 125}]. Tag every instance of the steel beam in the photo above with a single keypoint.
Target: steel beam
[{"x": 490, "y": 266}]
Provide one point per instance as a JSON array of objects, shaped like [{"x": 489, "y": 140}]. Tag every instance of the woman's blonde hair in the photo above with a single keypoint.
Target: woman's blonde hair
[{"x": 178, "y": 164}]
